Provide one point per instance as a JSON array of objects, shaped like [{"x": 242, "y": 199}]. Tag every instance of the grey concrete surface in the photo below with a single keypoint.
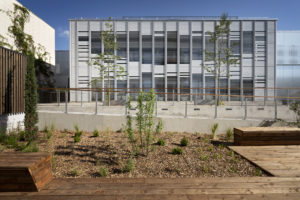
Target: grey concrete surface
[{"x": 89, "y": 122}]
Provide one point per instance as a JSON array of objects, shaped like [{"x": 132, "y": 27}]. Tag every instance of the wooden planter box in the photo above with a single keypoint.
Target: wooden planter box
[
  {"x": 24, "y": 172},
  {"x": 254, "y": 136}
]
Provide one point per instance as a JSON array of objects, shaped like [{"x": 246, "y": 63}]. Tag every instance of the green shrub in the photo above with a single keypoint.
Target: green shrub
[
  {"x": 31, "y": 147},
  {"x": 159, "y": 127},
  {"x": 45, "y": 129},
  {"x": 11, "y": 140},
  {"x": 184, "y": 141},
  {"x": 258, "y": 172},
  {"x": 78, "y": 134},
  {"x": 214, "y": 130},
  {"x": 76, "y": 138},
  {"x": 96, "y": 133},
  {"x": 129, "y": 166},
  {"x": 75, "y": 172},
  {"x": 203, "y": 157},
  {"x": 161, "y": 142},
  {"x": 229, "y": 134},
  {"x": 103, "y": 172},
  {"x": 177, "y": 151}
]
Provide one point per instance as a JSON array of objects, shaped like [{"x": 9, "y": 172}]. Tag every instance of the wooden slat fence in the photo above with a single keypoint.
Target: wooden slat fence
[{"x": 12, "y": 81}]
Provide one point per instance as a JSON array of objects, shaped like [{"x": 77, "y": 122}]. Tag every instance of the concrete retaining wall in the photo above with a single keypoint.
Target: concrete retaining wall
[{"x": 89, "y": 122}]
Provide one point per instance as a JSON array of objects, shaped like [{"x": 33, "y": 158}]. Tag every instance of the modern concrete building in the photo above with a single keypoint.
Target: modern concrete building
[
  {"x": 288, "y": 63},
  {"x": 42, "y": 33},
  {"x": 168, "y": 52}
]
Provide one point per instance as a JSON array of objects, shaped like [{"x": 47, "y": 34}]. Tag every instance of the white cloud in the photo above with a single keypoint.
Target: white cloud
[{"x": 64, "y": 33}]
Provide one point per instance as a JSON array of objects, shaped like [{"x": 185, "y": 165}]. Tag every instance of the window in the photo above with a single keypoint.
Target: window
[
  {"x": 210, "y": 85},
  {"x": 197, "y": 48},
  {"x": 235, "y": 46},
  {"x": 134, "y": 87},
  {"x": 210, "y": 47},
  {"x": 122, "y": 45},
  {"x": 134, "y": 46},
  {"x": 147, "y": 49},
  {"x": 147, "y": 81},
  {"x": 96, "y": 42},
  {"x": 184, "y": 49},
  {"x": 172, "y": 86},
  {"x": 184, "y": 83},
  {"x": 197, "y": 84},
  {"x": 83, "y": 38},
  {"x": 248, "y": 88},
  {"x": 159, "y": 50},
  {"x": 172, "y": 47},
  {"x": 160, "y": 85},
  {"x": 248, "y": 42},
  {"x": 235, "y": 89},
  {"x": 121, "y": 85}
]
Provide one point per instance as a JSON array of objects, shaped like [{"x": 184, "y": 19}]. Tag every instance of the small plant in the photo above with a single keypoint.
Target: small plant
[
  {"x": 229, "y": 134},
  {"x": 184, "y": 141},
  {"x": 177, "y": 151},
  {"x": 65, "y": 130},
  {"x": 45, "y": 129},
  {"x": 129, "y": 166},
  {"x": 258, "y": 172},
  {"x": 159, "y": 127},
  {"x": 233, "y": 169},
  {"x": 214, "y": 130},
  {"x": 103, "y": 171},
  {"x": 96, "y": 133},
  {"x": 205, "y": 169},
  {"x": 31, "y": 147},
  {"x": 216, "y": 156},
  {"x": 78, "y": 134},
  {"x": 161, "y": 142},
  {"x": 52, "y": 128},
  {"x": 98, "y": 162},
  {"x": 234, "y": 159},
  {"x": 209, "y": 148},
  {"x": 107, "y": 134},
  {"x": 75, "y": 172},
  {"x": 203, "y": 157},
  {"x": 199, "y": 150}
]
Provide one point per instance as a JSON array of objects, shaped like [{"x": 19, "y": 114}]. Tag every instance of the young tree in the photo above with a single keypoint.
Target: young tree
[
  {"x": 223, "y": 55},
  {"x": 105, "y": 62}
]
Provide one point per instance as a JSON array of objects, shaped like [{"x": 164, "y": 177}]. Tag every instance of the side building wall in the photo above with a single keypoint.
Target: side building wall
[{"x": 170, "y": 53}]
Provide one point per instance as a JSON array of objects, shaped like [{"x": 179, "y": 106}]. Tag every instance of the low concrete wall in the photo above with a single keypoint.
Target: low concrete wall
[
  {"x": 12, "y": 122},
  {"x": 89, "y": 122}
]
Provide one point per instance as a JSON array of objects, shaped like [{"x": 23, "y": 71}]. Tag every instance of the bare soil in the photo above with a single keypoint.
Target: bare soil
[{"x": 111, "y": 150}]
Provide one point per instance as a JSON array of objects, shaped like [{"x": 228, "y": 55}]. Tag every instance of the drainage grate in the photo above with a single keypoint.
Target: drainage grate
[
  {"x": 196, "y": 108},
  {"x": 260, "y": 108},
  {"x": 228, "y": 108},
  {"x": 164, "y": 109}
]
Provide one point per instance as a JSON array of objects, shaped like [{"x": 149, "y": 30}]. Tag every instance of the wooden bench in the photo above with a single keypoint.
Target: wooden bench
[
  {"x": 20, "y": 172},
  {"x": 254, "y": 136}
]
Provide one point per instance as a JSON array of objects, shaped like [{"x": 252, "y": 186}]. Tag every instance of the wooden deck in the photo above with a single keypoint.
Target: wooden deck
[
  {"x": 152, "y": 188},
  {"x": 281, "y": 161},
  {"x": 24, "y": 171}
]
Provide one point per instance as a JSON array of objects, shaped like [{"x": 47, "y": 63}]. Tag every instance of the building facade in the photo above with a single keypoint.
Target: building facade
[
  {"x": 288, "y": 63},
  {"x": 168, "y": 53},
  {"x": 41, "y": 32}
]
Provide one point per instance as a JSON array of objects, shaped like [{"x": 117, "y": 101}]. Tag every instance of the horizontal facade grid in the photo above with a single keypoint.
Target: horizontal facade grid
[{"x": 171, "y": 53}]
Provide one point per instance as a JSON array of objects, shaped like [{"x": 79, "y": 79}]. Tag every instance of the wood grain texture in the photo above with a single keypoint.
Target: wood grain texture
[
  {"x": 282, "y": 161},
  {"x": 24, "y": 171},
  {"x": 254, "y": 136}
]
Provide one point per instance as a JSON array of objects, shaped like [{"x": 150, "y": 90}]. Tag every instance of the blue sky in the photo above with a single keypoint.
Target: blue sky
[{"x": 57, "y": 12}]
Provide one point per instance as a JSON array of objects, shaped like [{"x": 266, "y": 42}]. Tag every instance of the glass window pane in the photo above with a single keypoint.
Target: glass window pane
[
  {"x": 96, "y": 42},
  {"x": 134, "y": 87},
  {"x": 120, "y": 85},
  {"x": 248, "y": 42},
  {"x": 184, "y": 85},
  {"x": 210, "y": 85},
  {"x": 147, "y": 49},
  {"x": 83, "y": 38},
  {"x": 235, "y": 46},
  {"x": 184, "y": 49},
  {"x": 197, "y": 48},
  {"x": 134, "y": 46},
  {"x": 248, "y": 89},
  {"x": 122, "y": 45},
  {"x": 172, "y": 86},
  {"x": 235, "y": 89},
  {"x": 209, "y": 47},
  {"x": 172, "y": 47},
  {"x": 159, "y": 50},
  {"x": 159, "y": 86},
  {"x": 147, "y": 81}
]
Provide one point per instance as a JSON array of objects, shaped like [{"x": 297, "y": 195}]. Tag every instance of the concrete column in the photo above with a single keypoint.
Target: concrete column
[
  {"x": 166, "y": 60},
  {"x": 190, "y": 66},
  {"x": 203, "y": 60},
  {"x": 140, "y": 53},
  {"x": 127, "y": 55},
  {"x": 153, "y": 54},
  {"x": 178, "y": 61},
  {"x": 241, "y": 62},
  {"x": 89, "y": 67},
  {"x": 115, "y": 73}
]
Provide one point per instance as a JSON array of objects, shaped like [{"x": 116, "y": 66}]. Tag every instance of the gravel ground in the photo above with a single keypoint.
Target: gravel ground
[{"x": 111, "y": 150}]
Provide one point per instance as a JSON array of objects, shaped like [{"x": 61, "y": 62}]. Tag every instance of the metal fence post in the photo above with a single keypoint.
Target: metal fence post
[
  {"x": 66, "y": 101},
  {"x": 81, "y": 99},
  {"x": 216, "y": 107},
  {"x": 126, "y": 99},
  {"x": 288, "y": 100},
  {"x": 58, "y": 97},
  {"x": 245, "y": 117},
  {"x": 275, "y": 107},
  {"x": 96, "y": 104},
  {"x": 185, "y": 115},
  {"x": 173, "y": 97},
  {"x": 156, "y": 106}
]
